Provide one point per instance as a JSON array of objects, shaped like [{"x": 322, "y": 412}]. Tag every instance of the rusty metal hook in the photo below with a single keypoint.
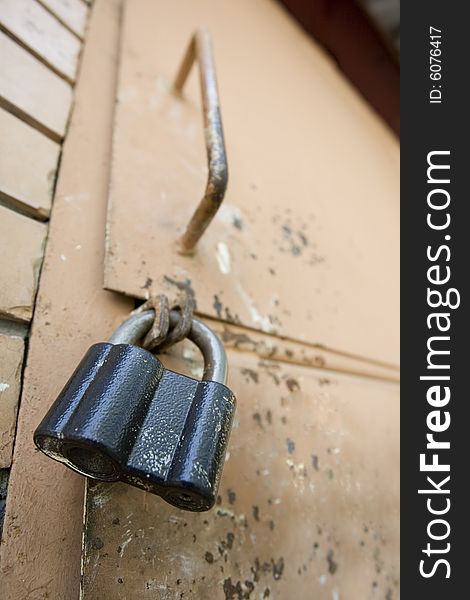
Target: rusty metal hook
[{"x": 200, "y": 49}]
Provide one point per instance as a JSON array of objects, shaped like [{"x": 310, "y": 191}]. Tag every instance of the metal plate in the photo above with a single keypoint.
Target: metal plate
[
  {"x": 308, "y": 507},
  {"x": 306, "y": 242}
]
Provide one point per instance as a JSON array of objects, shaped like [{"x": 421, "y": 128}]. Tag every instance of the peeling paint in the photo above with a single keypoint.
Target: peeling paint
[
  {"x": 263, "y": 321},
  {"x": 223, "y": 258},
  {"x": 229, "y": 214}
]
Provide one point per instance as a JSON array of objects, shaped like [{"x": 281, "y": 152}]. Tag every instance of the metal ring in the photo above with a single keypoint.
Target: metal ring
[{"x": 215, "y": 359}]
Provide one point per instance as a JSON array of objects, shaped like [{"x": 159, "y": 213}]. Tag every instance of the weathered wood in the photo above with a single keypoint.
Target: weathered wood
[
  {"x": 308, "y": 508},
  {"x": 28, "y": 165},
  {"x": 72, "y": 13},
  {"x": 39, "y": 31},
  {"x": 305, "y": 244},
  {"x": 32, "y": 91},
  {"x": 11, "y": 351},
  {"x": 40, "y": 551},
  {"x": 22, "y": 248}
]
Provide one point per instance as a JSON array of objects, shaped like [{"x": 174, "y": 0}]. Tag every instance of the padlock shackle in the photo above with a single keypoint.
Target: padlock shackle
[{"x": 215, "y": 360}]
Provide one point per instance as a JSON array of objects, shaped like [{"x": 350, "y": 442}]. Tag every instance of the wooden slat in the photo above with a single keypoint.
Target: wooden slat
[
  {"x": 40, "y": 549},
  {"x": 11, "y": 351},
  {"x": 28, "y": 165},
  {"x": 32, "y": 91},
  {"x": 73, "y": 13},
  {"x": 22, "y": 247},
  {"x": 34, "y": 27}
]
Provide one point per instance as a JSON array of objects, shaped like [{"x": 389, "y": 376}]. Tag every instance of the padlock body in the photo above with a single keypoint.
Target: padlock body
[{"x": 123, "y": 416}]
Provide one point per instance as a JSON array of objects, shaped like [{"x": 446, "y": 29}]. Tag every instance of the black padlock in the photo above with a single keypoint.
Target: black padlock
[{"x": 122, "y": 416}]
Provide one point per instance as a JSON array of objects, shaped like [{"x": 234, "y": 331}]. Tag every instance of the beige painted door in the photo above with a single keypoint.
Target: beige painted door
[{"x": 299, "y": 275}]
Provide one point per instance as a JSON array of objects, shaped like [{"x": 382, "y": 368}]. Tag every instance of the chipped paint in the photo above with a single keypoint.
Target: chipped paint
[
  {"x": 229, "y": 214},
  {"x": 263, "y": 321},
  {"x": 223, "y": 258},
  {"x": 126, "y": 542},
  {"x": 4, "y": 387}
]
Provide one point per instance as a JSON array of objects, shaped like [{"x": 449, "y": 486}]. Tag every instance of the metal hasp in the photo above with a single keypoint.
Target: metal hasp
[
  {"x": 200, "y": 49},
  {"x": 122, "y": 416}
]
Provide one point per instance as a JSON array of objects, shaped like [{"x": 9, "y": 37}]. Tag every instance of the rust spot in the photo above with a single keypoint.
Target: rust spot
[
  {"x": 250, "y": 586},
  {"x": 292, "y": 384},
  {"x": 217, "y": 305},
  {"x": 97, "y": 543},
  {"x": 232, "y": 318},
  {"x": 250, "y": 374},
  {"x": 278, "y": 568},
  {"x": 274, "y": 377},
  {"x": 378, "y": 561},
  {"x": 185, "y": 286},
  {"x": 237, "y": 223},
  {"x": 232, "y": 591},
  {"x": 332, "y": 565},
  {"x": 237, "y": 339},
  {"x": 226, "y": 544},
  {"x": 257, "y": 418},
  {"x": 148, "y": 283}
]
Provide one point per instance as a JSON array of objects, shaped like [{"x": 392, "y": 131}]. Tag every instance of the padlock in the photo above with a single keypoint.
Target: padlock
[{"x": 123, "y": 416}]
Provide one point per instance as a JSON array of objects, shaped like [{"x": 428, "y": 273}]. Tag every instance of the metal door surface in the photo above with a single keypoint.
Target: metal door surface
[{"x": 298, "y": 273}]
